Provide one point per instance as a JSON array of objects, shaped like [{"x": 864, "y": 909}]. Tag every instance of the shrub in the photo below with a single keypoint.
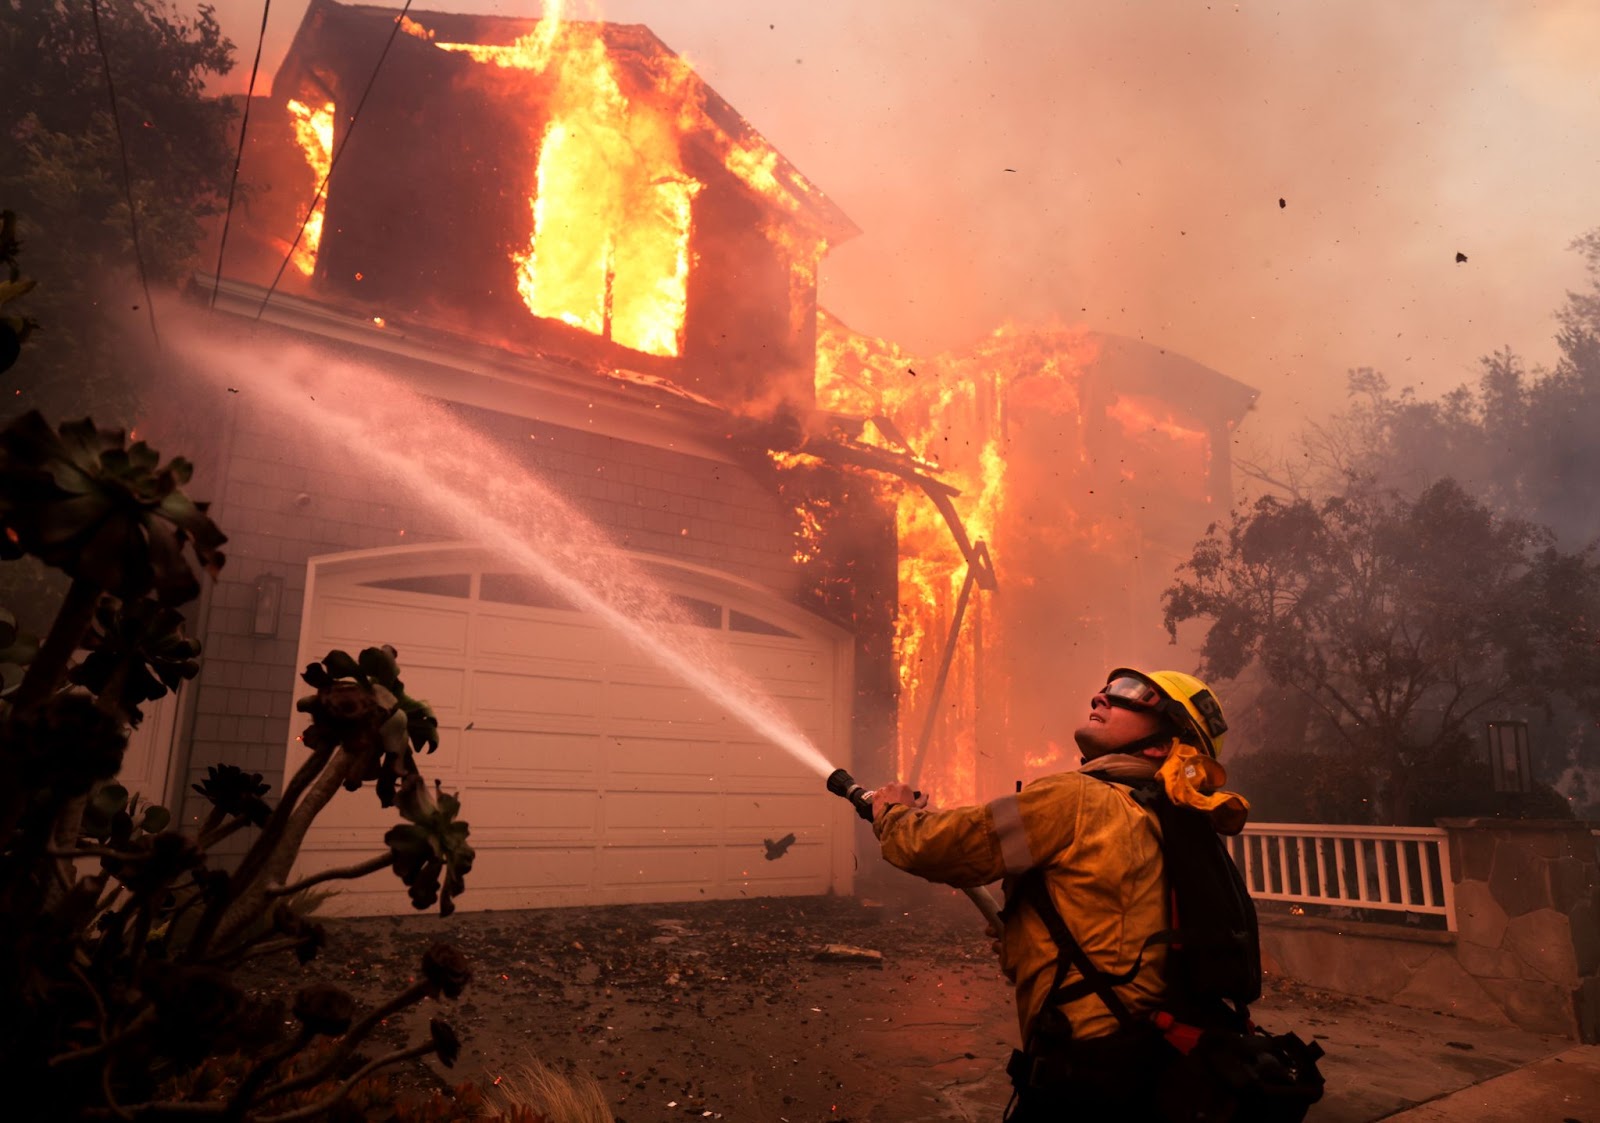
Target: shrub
[{"x": 122, "y": 986}]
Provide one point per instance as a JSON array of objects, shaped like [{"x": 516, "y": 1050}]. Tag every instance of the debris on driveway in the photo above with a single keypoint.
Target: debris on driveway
[{"x": 844, "y": 953}]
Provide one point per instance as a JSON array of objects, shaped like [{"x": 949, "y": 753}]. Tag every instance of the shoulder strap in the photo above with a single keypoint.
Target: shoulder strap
[{"x": 1094, "y": 980}]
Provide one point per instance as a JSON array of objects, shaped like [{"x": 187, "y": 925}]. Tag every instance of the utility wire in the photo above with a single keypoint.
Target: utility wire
[
  {"x": 334, "y": 163},
  {"x": 238, "y": 157},
  {"x": 127, "y": 176}
]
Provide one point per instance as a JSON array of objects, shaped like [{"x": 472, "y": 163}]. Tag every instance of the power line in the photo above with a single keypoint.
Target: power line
[
  {"x": 238, "y": 157},
  {"x": 334, "y": 163},
  {"x": 127, "y": 176}
]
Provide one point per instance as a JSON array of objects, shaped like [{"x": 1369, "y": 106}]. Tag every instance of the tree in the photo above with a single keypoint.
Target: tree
[
  {"x": 121, "y": 986},
  {"x": 62, "y": 172},
  {"x": 1520, "y": 440},
  {"x": 1399, "y": 620}
]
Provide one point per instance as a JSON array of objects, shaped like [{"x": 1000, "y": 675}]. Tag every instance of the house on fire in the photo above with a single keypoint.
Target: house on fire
[{"x": 563, "y": 235}]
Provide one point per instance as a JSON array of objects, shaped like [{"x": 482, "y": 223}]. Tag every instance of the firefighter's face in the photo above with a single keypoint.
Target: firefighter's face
[{"x": 1113, "y": 723}]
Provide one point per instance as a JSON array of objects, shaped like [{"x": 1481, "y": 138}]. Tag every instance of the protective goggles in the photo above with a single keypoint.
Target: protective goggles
[{"x": 1132, "y": 693}]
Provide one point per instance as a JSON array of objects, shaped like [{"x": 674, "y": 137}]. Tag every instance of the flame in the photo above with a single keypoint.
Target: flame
[
  {"x": 1013, "y": 424},
  {"x": 808, "y": 535},
  {"x": 1044, "y": 758},
  {"x": 313, "y": 132},
  {"x": 413, "y": 28},
  {"x": 794, "y": 459},
  {"x": 940, "y": 412},
  {"x": 1150, "y": 423},
  {"x": 611, "y": 205},
  {"x": 1138, "y": 414}
]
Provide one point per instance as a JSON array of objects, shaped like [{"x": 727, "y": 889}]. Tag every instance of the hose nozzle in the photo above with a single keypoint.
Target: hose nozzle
[{"x": 844, "y": 785}]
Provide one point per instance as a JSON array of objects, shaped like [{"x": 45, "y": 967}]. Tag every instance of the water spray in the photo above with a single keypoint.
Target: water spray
[
  {"x": 844, "y": 785},
  {"x": 488, "y": 497}
]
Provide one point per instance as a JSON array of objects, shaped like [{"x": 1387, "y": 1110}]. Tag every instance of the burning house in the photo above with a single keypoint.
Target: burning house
[
  {"x": 1084, "y": 467},
  {"x": 558, "y": 232}
]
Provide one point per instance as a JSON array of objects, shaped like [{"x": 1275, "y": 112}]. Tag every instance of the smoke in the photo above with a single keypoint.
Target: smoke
[{"x": 1121, "y": 166}]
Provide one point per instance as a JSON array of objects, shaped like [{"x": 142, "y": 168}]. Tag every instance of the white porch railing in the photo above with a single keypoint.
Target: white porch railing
[{"x": 1401, "y": 869}]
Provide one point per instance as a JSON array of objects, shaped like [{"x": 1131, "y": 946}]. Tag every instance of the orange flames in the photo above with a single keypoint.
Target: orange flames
[
  {"x": 947, "y": 417},
  {"x": 611, "y": 205},
  {"x": 610, "y": 202},
  {"x": 313, "y": 132},
  {"x": 1015, "y": 426}
]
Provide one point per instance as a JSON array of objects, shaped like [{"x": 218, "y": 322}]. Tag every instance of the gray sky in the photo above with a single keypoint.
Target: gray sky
[{"x": 1119, "y": 165}]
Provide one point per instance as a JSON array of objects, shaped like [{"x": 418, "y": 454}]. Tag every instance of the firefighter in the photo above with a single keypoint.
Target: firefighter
[{"x": 1098, "y": 851}]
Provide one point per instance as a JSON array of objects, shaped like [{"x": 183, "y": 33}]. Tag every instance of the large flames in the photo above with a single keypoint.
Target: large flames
[
  {"x": 313, "y": 132},
  {"x": 610, "y": 203},
  {"x": 1009, "y": 426}
]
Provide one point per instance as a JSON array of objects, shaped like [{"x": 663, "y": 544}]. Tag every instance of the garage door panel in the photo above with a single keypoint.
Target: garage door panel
[
  {"x": 655, "y": 810},
  {"x": 445, "y": 761},
  {"x": 532, "y": 755},
  {"x": 356, "y": 817},
  {"x": 532, "y": 868},
  {"x": 442, "y": 687},
  {"x": 774, "y": 812},
  {"x": 668, "y": 702},
  {"x": 566, "y": 637},
  {"x": 651, "y": 759},
  {"x": 658, "y": 867},
  {"x": 531, "y": 812},
  {"x": 765, "y": 761},
  {"x": 810, "y": 714},
  {"x": 497, "y": 693},
  {"x": 787, "y": 665},
  {"x": 748, "y": 865},
  {"x": 588, "y": 773},
  {"x": 357, "y": 623}
]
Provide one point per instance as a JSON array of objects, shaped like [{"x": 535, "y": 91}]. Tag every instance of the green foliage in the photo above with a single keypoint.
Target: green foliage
[
  {"x": 137, "y": 652},
  {"x": 80, "y": 499},
  {"x": 119, "y": 985},
  {"x": 63, "y": 170},
  {"x": 1399, "y": 619},
  {"x": 430, "y": 849},
  {"x": 14, "y": 328}
]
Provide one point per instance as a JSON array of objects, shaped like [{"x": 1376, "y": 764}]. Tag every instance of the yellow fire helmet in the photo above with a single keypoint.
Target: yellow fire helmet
[{"x": 1183, "y": 699}]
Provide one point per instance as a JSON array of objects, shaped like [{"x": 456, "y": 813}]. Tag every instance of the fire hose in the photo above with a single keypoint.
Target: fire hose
[{"x": 844, "y": 785}]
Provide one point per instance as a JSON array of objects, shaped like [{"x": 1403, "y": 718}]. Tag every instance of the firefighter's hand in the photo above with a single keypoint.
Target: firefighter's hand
[{"x": 895, "y": 792}]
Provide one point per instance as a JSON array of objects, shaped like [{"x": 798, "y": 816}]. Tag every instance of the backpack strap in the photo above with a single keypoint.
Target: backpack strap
[{"x": 1094, "y": 981}]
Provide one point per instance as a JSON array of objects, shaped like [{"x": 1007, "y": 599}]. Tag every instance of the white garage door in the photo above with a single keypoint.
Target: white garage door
[{"x": 588, "y": 775}]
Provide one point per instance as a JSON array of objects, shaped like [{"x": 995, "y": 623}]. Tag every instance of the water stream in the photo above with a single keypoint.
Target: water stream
[{"x": 485, "y": 495}]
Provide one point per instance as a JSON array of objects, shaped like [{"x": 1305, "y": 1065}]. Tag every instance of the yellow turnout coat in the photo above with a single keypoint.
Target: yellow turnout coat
[{"x": 1101, "y": 854}]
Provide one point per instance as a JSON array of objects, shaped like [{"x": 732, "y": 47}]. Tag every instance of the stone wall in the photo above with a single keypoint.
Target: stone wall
[
  {"x": 1527, "y": 948},
  {"x": 1528, "y": 919}
]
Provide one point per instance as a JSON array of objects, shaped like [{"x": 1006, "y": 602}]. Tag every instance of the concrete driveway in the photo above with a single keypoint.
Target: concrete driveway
[{"x": 721, "y": 1010}]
